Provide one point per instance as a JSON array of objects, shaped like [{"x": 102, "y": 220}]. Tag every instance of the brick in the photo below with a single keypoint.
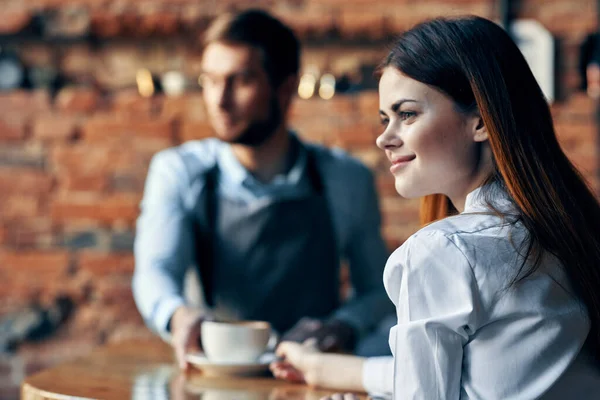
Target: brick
[
  {"x": 122, "y": 241},
  {"x": 87, "y": 160},
  {"x": 77, "y": 100},
  {"x": 157, "y": 22},
  {"x": 93, "y": 320},
  {"x": 400, "y": 210},
  {"x": 399, "y": 233},
  {"x": 117, "y": 65},
  {"x": 353, "y": 134},
  {"x": 36, "y": 54},
  {"x": 192, "y": 67},
  {"x": 17, "y": 293},
  {"x": 119, "y": 299},
  {"x": 358, "y": 23},
  {"x": 315, "y": 130},
  {"x": 55, "y": 127},
  {"x": 115, "y": 295},
  {"x": 188, "y": 107},
  {"x": 77, "y": 60},
  {"x": 362, "y": 3},
  {"x": 106, "y": 128},
  {"x": 385, "y": 185},
  {"x": 104, "y": 264},
  {"x": 368, "y": 103},
  {"x": 102, "y": 209},
  {"x": 24, "y": 103},
  {"x": 587, "y": 164},
  {"x": 399, "y": 22},
  {"x": 572, "y": 17},
  {"x": 130, "y": 103},
  {"x": 75, "y": 181},
  {"x": 30, "y": 233},
  {"x": 571, "y": 136},
  {"x": 24, "y": 181},
  {"x": 18, "y": 206},
  {"x": 34, "y": 265},
  {"x": 580, "y": 104},
  {"x": 98, "y": 168},
  {"x": 195, "y": 15},
  {"x": 14, "y": 20},
  {"x": 78, "y": 239},
  {"x": 195, "y": 130},
  {"x": 315, "y": 23},
  {"x": 339, "y": 105},
  {"x": 104, "y": 23},
  {"x": 12, "y": 127},
  {"x": 31, "y": 155},
  {"x": 371, "y": 157},
  {"x": 304, "y": 109},
  {"x": 123, "y": 182}
]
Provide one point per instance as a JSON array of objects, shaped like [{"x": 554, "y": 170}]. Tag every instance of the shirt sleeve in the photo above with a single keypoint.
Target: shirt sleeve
[
  {"x": 378, "y": 376},
  {"x": 163, "y": 244},
  {"x": 436, "y": 296},
  {"x": 366, "y": 254}
]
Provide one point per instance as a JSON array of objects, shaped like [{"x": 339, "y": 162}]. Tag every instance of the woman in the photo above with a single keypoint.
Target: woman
[{"x": 503, "y": 300}]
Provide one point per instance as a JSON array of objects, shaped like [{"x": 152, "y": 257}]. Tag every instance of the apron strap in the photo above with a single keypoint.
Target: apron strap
[
  {"x": 204, "y": 228},
  {"x": 314, "y": 174}
]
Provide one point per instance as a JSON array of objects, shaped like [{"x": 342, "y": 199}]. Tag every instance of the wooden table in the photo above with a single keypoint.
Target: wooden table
[{"x": 145, "y": 370}]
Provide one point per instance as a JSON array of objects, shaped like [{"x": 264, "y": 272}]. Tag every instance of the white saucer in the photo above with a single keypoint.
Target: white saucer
[{"x": 210, "y": 368}]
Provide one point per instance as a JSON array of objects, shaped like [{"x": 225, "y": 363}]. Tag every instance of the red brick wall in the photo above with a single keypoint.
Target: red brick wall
[{"x": 72, "y": 166}]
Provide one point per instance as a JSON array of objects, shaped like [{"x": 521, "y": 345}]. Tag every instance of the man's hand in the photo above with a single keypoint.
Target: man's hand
[
  {"x": 330, "y": 336},
  {"x": 185, "y": 332}
]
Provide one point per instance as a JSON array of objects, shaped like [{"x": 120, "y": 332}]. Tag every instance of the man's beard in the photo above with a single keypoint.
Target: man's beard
[{"x": 258, "y": 132}]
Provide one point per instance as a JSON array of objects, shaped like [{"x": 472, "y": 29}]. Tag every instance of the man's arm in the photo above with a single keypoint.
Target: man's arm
[
  {"x": 366, "y": 254},
  {"x": 163, "y": 243}
]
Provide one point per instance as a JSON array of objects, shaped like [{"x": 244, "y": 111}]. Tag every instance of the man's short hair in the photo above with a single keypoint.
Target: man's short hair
[{"x": 279, "y": 46}]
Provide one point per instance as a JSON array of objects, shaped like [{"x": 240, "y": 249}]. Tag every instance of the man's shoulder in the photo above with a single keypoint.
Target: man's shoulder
[
  {"x": 339, "y": 162},
  {"x": 193, "y": 157}
]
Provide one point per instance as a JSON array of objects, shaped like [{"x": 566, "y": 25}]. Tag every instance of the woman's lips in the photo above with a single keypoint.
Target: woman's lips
[{"x": 399, "y": 162}]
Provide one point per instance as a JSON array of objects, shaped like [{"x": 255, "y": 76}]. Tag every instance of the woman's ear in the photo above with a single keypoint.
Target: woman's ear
[{"x": 480, "y": 133}]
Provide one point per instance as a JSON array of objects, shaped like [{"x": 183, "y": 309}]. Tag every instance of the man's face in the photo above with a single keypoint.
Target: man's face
[{"x": 241, "y": 104}]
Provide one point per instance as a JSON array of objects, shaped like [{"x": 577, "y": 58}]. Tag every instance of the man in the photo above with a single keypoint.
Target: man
[{"x": 264, "y": 217}]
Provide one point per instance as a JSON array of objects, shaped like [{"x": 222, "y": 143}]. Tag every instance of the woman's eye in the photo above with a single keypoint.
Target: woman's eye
[
  {"x": 404, "y": 115},
  {"x": 385, "y": 121}
]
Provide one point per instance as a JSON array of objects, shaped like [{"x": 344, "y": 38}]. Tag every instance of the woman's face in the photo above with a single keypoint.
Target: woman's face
[{"x": 432, "y": 147}]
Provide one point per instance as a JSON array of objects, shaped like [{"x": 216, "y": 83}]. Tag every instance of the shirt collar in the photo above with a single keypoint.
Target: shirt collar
[{"x": 237, "y": 174}]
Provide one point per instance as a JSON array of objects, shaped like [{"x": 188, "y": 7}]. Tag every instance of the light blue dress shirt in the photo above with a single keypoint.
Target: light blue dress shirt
[
  {"x": 464, "y": 333},
  {"x": 164, "y": 246}
]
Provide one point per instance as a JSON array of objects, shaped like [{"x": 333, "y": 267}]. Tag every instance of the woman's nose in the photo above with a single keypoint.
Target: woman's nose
[{"x": 389, "y": 139}]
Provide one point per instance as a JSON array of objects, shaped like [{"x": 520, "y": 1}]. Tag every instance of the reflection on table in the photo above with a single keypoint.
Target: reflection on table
[{"x": 146, "y": 370}]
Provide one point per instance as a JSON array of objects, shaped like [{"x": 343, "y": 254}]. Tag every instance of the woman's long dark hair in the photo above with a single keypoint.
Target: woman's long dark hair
[{"x": 476, "y": 63}]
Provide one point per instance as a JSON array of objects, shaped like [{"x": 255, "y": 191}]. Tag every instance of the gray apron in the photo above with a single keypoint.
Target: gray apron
[{"x": 274, "y": 262}]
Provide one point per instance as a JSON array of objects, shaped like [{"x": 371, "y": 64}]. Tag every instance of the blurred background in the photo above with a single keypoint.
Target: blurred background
[{"x": 91, "y": 89}]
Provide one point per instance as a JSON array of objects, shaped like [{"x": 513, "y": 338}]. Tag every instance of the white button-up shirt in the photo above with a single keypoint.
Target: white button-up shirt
[{"x": 464, "y": 332}]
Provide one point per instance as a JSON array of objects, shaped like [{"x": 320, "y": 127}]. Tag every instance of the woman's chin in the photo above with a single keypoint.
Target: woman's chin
[{"x": 406, "y": 191}]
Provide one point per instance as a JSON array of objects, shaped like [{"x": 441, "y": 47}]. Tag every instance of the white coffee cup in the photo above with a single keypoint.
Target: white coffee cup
[{"x": 235, "y": 342}]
